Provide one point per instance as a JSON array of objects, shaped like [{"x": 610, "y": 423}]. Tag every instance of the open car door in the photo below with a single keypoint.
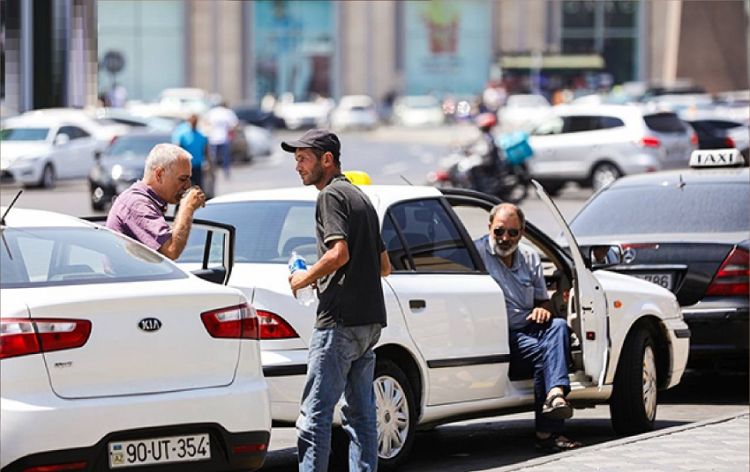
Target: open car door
[
  {"x": 209, "y": 253},
  {"x": 589, "y": 301}
]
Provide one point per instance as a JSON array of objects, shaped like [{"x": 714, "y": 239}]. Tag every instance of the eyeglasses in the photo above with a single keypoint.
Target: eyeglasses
[{"x": 512, "y": 232}]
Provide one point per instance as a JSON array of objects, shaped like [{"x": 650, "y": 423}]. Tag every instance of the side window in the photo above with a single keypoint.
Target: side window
[
  {"x": 79, "y": 133},
  {"x": 68, "y": 131},
  {"x": 606, "y": 122},
  {"x": 578, "y": 124},
  {"x": 396, "y": 252},
  {"x": 550, "y": 126},
  {"x": 432, "y": 240}
]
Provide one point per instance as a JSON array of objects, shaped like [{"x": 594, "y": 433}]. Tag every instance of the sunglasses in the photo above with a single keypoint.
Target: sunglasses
[{"x": 513, "y": 233}]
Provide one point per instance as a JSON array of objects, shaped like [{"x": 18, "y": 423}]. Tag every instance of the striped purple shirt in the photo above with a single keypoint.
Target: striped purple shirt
[{"x": 138, "y": 212}]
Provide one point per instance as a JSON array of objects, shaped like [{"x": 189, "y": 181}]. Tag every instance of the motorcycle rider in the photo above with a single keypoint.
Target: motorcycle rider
[{"x": 485, "y": 174}]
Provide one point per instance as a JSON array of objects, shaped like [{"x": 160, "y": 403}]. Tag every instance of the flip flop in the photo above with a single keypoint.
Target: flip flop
[
  {"x": 560, "y": 411},
  {"x": 556, "y": 443}
]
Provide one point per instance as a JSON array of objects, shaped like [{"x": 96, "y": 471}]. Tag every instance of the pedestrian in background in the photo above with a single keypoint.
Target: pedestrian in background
[
  {"x": 193, "y": 141},
  {"x": 138, "y": 212},
  {"x": 351, "y": 311},
  {"x": 222, "y": 121}
]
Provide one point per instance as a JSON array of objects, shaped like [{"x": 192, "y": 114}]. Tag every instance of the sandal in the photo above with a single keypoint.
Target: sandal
[
  {"x": 559, "y": 411},
  {"x": 555, "y": 443}
]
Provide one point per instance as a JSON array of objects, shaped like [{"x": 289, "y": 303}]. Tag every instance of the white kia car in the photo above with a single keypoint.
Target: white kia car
[
  {"x": 445, "y": 353},
  {"x": 113, "y": 357}
]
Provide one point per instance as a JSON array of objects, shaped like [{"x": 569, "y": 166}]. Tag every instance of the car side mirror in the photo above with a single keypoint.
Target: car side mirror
[
  {"x": 603, "y": 256},
  {"x": 62, "y": 139}
]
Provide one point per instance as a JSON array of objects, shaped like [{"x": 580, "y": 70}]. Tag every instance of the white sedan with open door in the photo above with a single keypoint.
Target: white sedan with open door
[
  {"x": 445, "y": 353},
  {"x": 113, "y": 357}
]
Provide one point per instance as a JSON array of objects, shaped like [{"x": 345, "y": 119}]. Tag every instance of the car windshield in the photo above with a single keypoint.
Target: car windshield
[
  {"x": 24, "y": 134},
  {"x": 44, "y": 257},
  {"x": 267, "y": 231},
  {"x": 138, "y": 145},
  {"x": 696, "y": 208}
]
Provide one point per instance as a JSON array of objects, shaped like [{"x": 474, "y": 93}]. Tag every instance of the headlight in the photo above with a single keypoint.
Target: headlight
[{"x": 117, "y": 171}]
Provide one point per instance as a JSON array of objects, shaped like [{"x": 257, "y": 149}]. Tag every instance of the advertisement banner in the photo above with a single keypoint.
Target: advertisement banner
[
  {"x": 448, "y": 46},
  {"x": 293, "y": 47}
]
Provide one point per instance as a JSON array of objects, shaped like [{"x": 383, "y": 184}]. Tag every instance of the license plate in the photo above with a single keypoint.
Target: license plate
[
  {"x": 159, "y": 450},
  {"x": 665, "y": 280}
]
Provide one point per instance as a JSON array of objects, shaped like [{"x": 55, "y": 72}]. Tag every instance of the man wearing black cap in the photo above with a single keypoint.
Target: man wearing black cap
[{"x": 351, "y": 312}]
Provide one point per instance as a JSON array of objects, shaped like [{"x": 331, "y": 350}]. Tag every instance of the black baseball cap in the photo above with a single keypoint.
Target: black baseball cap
[{"x": 320, "y": 139}]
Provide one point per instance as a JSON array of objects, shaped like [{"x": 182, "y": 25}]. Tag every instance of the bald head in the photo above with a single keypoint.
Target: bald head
[{"x": 508, "y": 209}]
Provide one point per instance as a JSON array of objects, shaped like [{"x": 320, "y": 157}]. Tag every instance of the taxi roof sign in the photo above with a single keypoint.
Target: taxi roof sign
[
  {"x": 358, "y": 177},
  {"x": 716, "y": 158}
]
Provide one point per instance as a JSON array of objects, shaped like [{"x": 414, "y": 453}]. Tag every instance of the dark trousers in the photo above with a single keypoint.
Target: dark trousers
[
  {"x": 546, "y": 346},
  {"x": 197, "y": 177}
]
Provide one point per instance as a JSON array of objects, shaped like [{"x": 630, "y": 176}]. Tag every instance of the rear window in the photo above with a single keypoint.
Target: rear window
[
  {"x": 664, "y": 123},
  {"x": 44, "y": 257},
  {"x": 696, "y": 208},
  {"x": 266, "y": 231}
]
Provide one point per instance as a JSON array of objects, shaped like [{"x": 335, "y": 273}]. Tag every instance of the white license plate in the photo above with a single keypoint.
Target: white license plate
[
  {"x": 665, "y": 280},
  {"x": 159, "y": 450}
]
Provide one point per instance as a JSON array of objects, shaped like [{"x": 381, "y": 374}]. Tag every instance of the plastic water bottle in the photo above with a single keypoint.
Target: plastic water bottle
[{"x": 306, "y": 295}]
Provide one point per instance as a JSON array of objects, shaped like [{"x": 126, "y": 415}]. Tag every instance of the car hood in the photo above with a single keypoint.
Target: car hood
[{"x": 12, "y": 150}]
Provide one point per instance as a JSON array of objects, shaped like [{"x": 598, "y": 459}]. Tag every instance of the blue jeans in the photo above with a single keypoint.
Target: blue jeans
[
  {"x": 221, "y": 156},
  {"x": 341, "y": 361},
  {"x": 547, "y": 347}
]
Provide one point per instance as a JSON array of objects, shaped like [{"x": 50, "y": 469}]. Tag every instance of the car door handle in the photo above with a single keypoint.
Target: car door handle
[{"x": 417, "y": 304}]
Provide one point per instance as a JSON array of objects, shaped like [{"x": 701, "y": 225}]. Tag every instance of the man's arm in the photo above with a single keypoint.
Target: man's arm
[
  {"x": 174, "y": 246},
  {"x": 385, "y": 264},
  {"x": 334, "y": 258}
]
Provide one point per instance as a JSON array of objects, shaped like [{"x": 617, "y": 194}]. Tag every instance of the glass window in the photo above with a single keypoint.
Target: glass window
[
  {"x": 551, "y": 126},
  {"x": 432, "y": 238},
  {"x": 577, "y": 124},
  {"x": 695, "y": 208},
  {"x": 266, "y": 231},
  {"x": 136, "y": 145},
  {"x": 578, "y": 14},
  {"x": 665, "y": 123},
  {"x": 620, "y": 13},
  {"x": 396, "y": 253},
  {"x": 38, "y": 257},
  {"x": 24, "y": 134},
  {"x": 606, "y": 122}
]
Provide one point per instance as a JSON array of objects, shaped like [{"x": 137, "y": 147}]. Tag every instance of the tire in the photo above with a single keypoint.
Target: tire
[
  {"x": 48, "y": 177},
  {"x": 396, "y": 414},
  {"x": 604, "y": 174},
  {"x": 634, "y": 397}
]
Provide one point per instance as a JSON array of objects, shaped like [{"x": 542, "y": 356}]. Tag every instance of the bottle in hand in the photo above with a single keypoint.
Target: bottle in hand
[{"x": 306, "y": 295}]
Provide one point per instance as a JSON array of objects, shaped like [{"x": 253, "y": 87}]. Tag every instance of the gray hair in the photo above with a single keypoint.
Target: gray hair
[
  {"x": 511, "y": 207},
  {"x": 164, "y": 155}
]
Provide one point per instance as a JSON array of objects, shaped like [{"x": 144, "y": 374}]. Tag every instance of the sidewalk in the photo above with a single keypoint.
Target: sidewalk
[{"x": 719, "y": 444}]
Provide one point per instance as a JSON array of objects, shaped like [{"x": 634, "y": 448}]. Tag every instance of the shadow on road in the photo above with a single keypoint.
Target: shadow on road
[{"x": 709, "y": 388}]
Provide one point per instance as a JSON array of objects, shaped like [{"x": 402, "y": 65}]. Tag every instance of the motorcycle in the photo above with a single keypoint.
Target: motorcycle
[{"x": 465, "y": 168}]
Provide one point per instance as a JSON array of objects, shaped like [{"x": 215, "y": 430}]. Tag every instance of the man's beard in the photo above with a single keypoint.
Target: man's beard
[{"x": 503, "y": 252}]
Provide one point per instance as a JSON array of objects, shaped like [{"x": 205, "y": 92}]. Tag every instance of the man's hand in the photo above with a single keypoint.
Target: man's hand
[
  {"x": 297, "y": 281},
  {"x": 194, "y": 198},
  {"x": 540, "y": 315}
]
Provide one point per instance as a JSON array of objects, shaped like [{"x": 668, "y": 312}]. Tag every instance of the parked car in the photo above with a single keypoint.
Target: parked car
[
  {"x": 595, "y": 145},
  {"x": 715, "y": 133},
  {"x": 112, "y": 356},
  {"x": 123, "y": 162},
  {"x": 523, "y": 112},
  {"x": 304, "y": 114},
  {"x": 355, "y": 111},
  {"x": 445, "y": 353},
  {"x": 103, "y": 132},
  {"x": 37, "y": 150},
  {"x": 418, "y": 110},
  {"x": 259, "y": 141},
  {"x": 253, "y": 115},
  {"x": 687, "y": 231}
]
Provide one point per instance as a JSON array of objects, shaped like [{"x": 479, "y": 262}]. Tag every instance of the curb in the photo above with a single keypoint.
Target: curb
[{"x": 632, "y": 439}]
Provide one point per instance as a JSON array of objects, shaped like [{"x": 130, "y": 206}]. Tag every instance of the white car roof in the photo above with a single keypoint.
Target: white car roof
[
  {"x": 382, "y": 196},
  {"x": 26, "y": 218}
]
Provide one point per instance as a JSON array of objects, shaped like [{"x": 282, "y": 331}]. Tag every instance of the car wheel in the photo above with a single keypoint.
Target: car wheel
[
  {"x": 396, "y": 414},
  {"x": 604, "y": 174},
  {"x": 634, "y": 397},
  {"x": 48, "y": 177}
]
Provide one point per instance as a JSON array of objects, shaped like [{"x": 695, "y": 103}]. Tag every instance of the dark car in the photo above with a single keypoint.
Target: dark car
[
  {"x": 718, "y": 133},
  {"x": 688, "y": 231},
  {"x": 122, "y": 163},
  {"x": 255, "y": 116}
]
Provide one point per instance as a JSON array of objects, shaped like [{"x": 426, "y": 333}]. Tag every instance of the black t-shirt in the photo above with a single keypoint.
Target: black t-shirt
[{"x": 353, "y": 295}]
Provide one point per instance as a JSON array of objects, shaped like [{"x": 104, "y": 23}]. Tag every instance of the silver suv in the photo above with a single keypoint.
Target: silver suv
[{"x": 594, "y": 145}]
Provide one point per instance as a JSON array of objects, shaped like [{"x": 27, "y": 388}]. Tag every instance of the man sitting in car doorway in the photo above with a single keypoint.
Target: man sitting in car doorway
[{"x": 535, "y": 336}]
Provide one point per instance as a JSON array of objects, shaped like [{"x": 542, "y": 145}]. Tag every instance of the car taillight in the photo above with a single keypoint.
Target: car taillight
[
  {"x": 733, "y": 276},
  {"x": 272, "y": 326},
  {"x": 236, "y": 322},
  {"x": 57, "y": 467},
  {"x": 22, "y": 336},
  {"x": 694, "y": 139},
  {"x": 729, "y": 142},
  {"x": 650, "y": 141}
]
